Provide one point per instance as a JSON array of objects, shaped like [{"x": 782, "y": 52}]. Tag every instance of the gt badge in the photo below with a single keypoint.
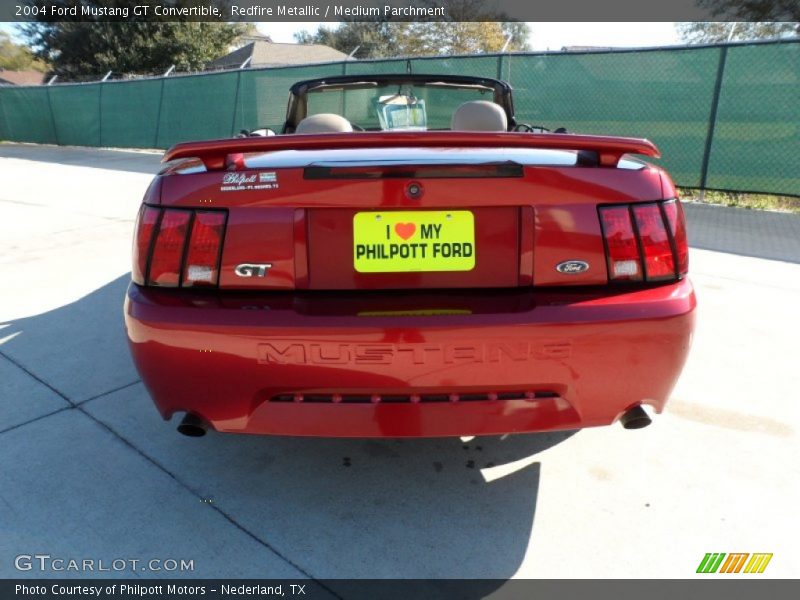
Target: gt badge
[
  {"x": 252, "y": 270},
  {"x": 572, "y": 267}
]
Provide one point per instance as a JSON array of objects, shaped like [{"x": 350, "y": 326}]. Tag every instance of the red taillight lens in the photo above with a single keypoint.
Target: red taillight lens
[
  {"x": 177, "y": 247},
  {"x": 677, "y": 227},
  {"x": 659, "y": 262},
  {"x": 624, "y": 263},
  {"x": 205, "y": 243},
  {"x": 145, "y": 223},
  {"x": 165, "y": 265},
  {"x": 645, "y": 241}
]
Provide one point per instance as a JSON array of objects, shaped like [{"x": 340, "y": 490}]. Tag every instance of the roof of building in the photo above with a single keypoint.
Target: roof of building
[
  {"x": 270, "y": 54},
  {"x": 585, "y": 48},
  {"x": 256, "y": 36},
  {"x": 21, "y": 77}
]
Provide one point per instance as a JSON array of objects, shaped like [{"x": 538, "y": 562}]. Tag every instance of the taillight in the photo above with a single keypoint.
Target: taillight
[
  {"x": 205, "y": 243},
  {"x": 177, "y": 247},
  {"x": 623, "y": 258},
  {"x": 645, "y": 241},
  {"x": 677, "y": 228},
  {"x": 145, "y": 223},
  {"x": 165, "y": 263},
  {"x": 659, "y": 263}
]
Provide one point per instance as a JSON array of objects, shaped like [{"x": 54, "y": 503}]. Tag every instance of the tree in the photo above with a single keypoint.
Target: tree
[
  {"x": 15, "y": 57},
  {"x": 471, "y": 27},
  {"x": 750, "y": 19},
  {"x": 387, "y": 39},
  {"x": 80, "y": 50},
  {"x": 519, "y": 33},
  {"x": 448, "y": 37},
  {"x": 712, "y": 32},
  {"x": 373, "y": 39},
  {"x": 754, "y": 10}
]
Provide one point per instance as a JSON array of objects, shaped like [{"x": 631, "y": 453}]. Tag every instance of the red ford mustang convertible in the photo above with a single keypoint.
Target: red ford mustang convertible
[{"x": 406, "y": 259}]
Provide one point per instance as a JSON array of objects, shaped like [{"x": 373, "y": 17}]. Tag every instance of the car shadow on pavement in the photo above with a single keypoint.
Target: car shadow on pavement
[{"x": 332, "y": 508}]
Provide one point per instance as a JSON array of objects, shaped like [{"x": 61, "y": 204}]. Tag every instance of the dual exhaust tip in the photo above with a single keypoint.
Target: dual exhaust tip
[
  {"x": 633, "y": 418},
  {"x": 192, "y": 426}
]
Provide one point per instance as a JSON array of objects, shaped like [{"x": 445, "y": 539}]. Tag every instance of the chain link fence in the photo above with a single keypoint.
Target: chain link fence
[{"x": 726, "y": 117}]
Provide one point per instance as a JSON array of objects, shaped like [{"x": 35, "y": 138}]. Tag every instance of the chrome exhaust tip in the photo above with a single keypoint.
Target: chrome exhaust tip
[
  {"x": 635, "y": 418},
  {"x": 192, "y": 426}
]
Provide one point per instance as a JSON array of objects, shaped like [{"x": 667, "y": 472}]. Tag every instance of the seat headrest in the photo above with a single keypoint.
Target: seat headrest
[
  {"x": 479, "y": 115},
  {"x": 324, "y": 123}
]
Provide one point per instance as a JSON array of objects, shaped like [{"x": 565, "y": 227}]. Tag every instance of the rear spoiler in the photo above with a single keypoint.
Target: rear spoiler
[{"x": 214, "y": 153}]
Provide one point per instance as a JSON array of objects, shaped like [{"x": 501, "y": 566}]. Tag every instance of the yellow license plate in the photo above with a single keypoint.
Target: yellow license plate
[{"x": 413, "y": 241}]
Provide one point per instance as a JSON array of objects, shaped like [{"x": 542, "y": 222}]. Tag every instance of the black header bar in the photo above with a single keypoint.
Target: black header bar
[{"x": 383, "y": 10}]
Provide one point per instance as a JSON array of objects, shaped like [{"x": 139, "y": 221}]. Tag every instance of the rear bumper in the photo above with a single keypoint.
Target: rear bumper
[{"x": 434, "y": 364}]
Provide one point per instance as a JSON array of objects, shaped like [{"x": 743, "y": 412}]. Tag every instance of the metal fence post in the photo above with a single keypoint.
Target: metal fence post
[
  {"x": 158, "y": 117},
  {"x": 100, "y": 112},
  {"x": 712, "y": 118},
  {"x": 236, "y": 101},
  {"x": 52, "y": 114},
  {"x": 5, "y": 131}
]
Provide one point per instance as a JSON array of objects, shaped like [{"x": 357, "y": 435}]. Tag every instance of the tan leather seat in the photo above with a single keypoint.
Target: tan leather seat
[
  {"x": 479, "y": 115},
  {"x": 324, "y": 123}
]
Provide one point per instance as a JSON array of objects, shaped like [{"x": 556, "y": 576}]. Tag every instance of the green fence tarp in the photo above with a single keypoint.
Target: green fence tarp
[
  {"x": 725, "y": 117},
  {"x": 129, "y": 113},
  {"x": 664, "y": 96},
  {"x": 76, "y": 114},
  {"x": 27, "y": 115},
  {"x": 756, "y": 140}
]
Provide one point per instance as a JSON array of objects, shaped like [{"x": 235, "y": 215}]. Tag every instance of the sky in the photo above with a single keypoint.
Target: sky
[{"x": 544, "y": 36}]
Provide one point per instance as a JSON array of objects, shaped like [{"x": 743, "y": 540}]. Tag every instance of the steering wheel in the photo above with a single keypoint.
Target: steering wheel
[{"x": 357, "y": 127}]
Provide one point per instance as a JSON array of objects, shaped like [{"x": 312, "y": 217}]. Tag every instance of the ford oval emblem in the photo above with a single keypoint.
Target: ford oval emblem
[{"x": 572, "y": 267}]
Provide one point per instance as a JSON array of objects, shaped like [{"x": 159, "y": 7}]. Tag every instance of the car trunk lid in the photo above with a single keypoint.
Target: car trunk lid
[{"x": 344, "y": 215}]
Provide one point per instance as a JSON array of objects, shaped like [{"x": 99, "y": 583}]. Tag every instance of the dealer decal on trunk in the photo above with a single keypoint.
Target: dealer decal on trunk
[
  {"x": 413, "y": 241},
  {"x": 238, "y": 182}
]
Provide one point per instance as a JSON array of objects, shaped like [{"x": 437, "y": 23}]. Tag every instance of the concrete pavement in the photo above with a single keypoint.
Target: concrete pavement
[
  {"x": 89, "y": 470},
  {"x": 732, "y": 230}
]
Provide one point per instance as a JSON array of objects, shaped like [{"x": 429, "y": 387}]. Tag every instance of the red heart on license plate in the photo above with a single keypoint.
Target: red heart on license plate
[{"x": 405, "y": 230}]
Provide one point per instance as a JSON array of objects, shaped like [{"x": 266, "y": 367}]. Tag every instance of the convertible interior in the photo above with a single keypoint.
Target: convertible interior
[
  {"x": 475, "y": 115},
  {"x": 399, "y": 102}
]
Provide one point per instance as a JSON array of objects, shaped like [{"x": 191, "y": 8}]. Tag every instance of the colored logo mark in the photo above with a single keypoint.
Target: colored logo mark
[{"x": 719, "y": 562}]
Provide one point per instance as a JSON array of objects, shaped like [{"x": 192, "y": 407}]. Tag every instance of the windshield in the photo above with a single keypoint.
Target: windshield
[{"x": 396, "y": 107}]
